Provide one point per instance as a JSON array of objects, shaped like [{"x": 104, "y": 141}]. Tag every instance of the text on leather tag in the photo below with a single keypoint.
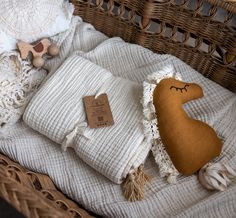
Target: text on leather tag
[{"x": 98, "y": 111}]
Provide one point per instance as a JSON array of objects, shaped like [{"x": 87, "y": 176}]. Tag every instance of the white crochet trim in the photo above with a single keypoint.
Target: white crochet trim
[
  {"x": 43, "y": 14},
  {"x": 18, "y": 82},
  {"x": 166, "y": 167}
]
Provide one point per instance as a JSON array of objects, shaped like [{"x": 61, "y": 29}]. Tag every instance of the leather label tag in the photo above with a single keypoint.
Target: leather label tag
[{"x": 98, "y": 111}]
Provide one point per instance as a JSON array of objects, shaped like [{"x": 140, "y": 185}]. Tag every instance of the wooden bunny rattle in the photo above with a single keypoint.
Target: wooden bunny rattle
[{"x": 38, "y": 50}]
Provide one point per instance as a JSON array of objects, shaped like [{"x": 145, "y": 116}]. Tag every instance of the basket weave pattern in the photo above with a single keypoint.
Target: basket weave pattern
[
  {"x": 34, "y": 194},
  {"x": 202, "y": 33}
]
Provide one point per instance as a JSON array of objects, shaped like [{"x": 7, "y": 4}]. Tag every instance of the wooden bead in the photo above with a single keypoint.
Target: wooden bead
[
  {"x": 53, "y": 50},
  {"x": 38, "y": 62}
]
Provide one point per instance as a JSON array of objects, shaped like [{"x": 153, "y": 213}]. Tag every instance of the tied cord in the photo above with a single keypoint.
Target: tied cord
[
  {"x": 216, "y": 176},
  {"x": 69, "y": 139}
]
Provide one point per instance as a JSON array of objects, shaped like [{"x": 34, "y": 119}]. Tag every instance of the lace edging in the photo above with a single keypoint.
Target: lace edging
[
  {"x": 18, "y": 84},
  {"x": 150, "y": 123}
]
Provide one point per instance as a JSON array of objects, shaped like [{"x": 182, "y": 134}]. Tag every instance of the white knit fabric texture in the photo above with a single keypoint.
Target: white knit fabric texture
[
  {"x": 18, "y": 83},
  {"x": 57, "y": 112},
  {"x": 80, "y": 37},
  {"x": 31, "y": 20},
  {"x": 185, "y": 199}
]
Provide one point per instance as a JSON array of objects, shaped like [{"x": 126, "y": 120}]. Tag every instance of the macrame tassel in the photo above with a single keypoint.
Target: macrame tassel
[
  {"x": 216, "y": 176},
  {"x": 142, "y": 177},
  {"x": 171, "y": 179},
  {"x": 133, "y": 186},
  {"x": 69, "y": 139}
]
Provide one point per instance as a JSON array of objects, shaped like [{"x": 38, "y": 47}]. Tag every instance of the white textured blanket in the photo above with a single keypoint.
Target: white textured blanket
[
  {"x": 185, "y": 199},
  {"x": 57, "y": 111}
]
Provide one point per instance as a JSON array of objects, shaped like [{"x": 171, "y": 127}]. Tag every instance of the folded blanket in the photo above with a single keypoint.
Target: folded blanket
[{"x": 117, "y": 151}]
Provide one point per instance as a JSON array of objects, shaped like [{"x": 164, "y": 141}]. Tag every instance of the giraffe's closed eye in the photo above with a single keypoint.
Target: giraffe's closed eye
[{"x": 179, "y": 88}]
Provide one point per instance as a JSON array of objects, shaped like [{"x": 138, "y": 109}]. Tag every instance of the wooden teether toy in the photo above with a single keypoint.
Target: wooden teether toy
[
  {"x": 190, "y": 143},
  {"x": 38, "y": 50}
]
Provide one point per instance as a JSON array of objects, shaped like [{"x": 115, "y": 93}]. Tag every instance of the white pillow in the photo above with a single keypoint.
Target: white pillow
[{"x": 41, "y": 18}]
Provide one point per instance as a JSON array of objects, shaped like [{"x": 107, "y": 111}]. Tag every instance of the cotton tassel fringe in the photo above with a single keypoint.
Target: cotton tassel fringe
[
  {"x": 216, "y": 176},
  {"x": 134, "y": 184}
]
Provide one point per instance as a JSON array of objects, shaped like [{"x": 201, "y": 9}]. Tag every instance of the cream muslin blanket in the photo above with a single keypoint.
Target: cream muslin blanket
[{"x": 57, "y": 111}]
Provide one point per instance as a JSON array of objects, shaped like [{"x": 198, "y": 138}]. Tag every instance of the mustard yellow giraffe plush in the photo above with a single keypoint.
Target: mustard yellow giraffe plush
[{"x": 190, "y": 143}]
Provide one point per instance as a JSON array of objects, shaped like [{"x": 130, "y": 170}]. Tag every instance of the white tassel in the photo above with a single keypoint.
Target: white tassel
[
  {"x": 171, "y": 179},
  {"x": 216, "y": 176},
  {"x": 69, "y": 139}
]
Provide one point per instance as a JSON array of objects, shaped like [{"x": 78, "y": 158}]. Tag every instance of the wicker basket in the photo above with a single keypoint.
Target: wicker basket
[
  {"x": 183, "y": 28},
  {"x": 191, "y": 30}
]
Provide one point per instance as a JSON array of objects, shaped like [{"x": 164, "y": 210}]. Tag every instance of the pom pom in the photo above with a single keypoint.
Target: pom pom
[{"x": 216, "y": 176}]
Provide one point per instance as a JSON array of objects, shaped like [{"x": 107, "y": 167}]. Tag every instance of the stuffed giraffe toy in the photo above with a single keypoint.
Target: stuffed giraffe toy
[{"x": 190, "y": 143}]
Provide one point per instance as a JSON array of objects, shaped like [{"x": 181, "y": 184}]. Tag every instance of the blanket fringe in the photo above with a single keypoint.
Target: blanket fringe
[
  {"x": 133, "y": 186},
  {"x": 216, "y": 176}
]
